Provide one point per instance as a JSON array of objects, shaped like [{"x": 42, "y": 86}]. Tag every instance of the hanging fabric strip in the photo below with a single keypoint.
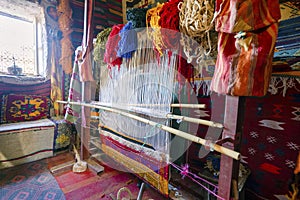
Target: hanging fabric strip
[
  {"x": 85, "y": 68},
  {"x": 56, "y": 81},
  {"x": 67, "y": 49}
]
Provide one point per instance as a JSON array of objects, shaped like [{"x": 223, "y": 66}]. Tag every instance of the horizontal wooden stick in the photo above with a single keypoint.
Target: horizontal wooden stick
[
  {"x": 190, "y": 137},
  {"x": 173, "y": 105},
  {"x": 195, "y": 120},
  {"x": 168, "y": 116}
]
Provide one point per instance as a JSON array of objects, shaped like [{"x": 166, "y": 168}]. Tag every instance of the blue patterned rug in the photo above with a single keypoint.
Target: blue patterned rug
[{"x": 31, "y": 181}]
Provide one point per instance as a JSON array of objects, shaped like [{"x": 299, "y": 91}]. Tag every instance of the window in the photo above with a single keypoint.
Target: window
[{"x": 21, "y": 42}]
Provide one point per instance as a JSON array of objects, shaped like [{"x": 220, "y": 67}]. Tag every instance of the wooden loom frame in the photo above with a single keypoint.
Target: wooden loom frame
[{"x": 232, "y": 129}]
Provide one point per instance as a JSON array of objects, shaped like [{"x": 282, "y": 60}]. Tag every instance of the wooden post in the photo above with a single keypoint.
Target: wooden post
[
  {"x": 85, "y": 121},
  {"x": 233, "y": 121}
]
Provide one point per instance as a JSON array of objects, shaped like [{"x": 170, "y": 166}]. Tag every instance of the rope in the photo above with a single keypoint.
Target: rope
[
  {"x": 196, "y": 19},
  {"x": 193, "y": 177},
  {"x": 124, "y": 189}
]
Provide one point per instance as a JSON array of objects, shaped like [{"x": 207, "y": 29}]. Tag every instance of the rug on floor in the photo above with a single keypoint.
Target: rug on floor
[
  {"x": 87, "y": 185},
  {"x": 30, "y": 181}
]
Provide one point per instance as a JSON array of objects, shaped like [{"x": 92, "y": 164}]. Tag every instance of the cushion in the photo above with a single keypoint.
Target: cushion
[{"x": 18, "y": 108}]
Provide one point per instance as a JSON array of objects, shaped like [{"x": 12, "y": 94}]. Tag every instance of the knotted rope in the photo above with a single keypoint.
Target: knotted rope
[
  {"x": 124, "y": 189},
  {"x": 196, "y": 17}
]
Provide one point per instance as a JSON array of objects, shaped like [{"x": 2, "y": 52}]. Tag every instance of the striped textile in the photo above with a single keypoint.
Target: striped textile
[
  {"x": 246, "y": 15},
  {"x": 41, "y": 88},
  {"x": 241, "y": 72},
  {"x": 106, "y": 14},
  {"x": 73, "y": 111},
  {"x": 134, "y": 159},
  {"x": 247, "y": 34}
]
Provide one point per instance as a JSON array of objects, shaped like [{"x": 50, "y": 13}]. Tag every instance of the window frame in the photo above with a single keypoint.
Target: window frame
[{"x": 34, "y": 13}]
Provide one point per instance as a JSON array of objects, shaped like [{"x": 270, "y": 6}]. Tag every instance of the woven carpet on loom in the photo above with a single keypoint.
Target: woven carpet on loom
[
  {"x": 87, "y": 185},
  {"x": 31, "y": 181}
]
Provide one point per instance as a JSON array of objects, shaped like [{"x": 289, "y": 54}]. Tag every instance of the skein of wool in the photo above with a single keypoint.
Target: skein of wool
[
  {"x": 99, "y": 46},
  {"x": 110, "y": 55},
  {"x": 153, "y": 18},
  {"x": 137, "y": 16},
  {"x": 169, "y": 22},
  {"x": 196, "y": 17},
  {"x": 128, "y": 41}
]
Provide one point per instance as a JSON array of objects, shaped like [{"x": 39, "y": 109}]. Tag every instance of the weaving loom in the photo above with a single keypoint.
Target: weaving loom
[
  {"x": 135, "y": 105},
  {"x": 143, "y": 71}
]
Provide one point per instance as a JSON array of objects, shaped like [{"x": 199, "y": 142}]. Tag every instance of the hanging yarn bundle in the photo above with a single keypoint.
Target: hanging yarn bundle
[
  {"x": 127, "y": 42},
  {"x": 137, "y": 16},
  {"x": 99, "y": 50},
  {"x": 169, "y": 22},
  {"x": 196, "y": 18},
  {"x": 99, "y": 46},
  {"x": 64, "y": 21},
  {"x": 153, "y": 18},
  {"x": 110, "y": 55}
]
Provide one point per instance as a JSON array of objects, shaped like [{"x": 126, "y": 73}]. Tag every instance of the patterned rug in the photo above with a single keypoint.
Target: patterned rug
[
  {"x": 271, "y": 139},
  {"x": 31, "y": 181},
  {"x": 87, "y": 185}
]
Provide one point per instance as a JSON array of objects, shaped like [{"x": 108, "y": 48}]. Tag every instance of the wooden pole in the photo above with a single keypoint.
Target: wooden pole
[
  {"x": 190, "y": 137},
  {"x": 174, "y": 105},
  {"x": 233, "y": 120},
  {"x": 170, "y": 116},
  {"x": 195, "y": 120}
]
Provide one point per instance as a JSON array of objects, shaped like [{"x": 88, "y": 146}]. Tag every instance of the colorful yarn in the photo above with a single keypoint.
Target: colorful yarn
[
  {"x": 110, "y": 55},
  {"x": 169, "y": 22},
  {"x": 137, "y": 16},
  {"x": 196, "y": 20},
  {"x": 196, "y": 17},
  {"x": 153, "y": 18},
  {"x": 185, "y": 170},
  {"x": 194, "y": 178},
  {"x": 100, "y": 43},
  {"x": 128, "y": 41}
]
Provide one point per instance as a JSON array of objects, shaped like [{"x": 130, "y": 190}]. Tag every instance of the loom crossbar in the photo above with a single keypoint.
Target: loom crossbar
[
  {"x": 173, "y": 105},
  {"x": 233, "y": 154}
]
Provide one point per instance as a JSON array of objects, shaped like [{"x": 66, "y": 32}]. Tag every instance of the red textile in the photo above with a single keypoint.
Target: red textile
[
  {"x": 244, "y": 69},
  {"x": 271, "y": 141},
  {"x": 19, "y": 108},
  {"x": 87, "y": 185},
  {"x": 169, "y": 23},
  {"x": 110, "y": 55},
  {"x": 245, "y": 72}
]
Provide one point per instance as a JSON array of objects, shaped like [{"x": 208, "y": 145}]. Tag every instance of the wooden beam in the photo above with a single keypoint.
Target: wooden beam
[
  {"x": 233, "y": 120},
  {"x": 85, "y": 122}
]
